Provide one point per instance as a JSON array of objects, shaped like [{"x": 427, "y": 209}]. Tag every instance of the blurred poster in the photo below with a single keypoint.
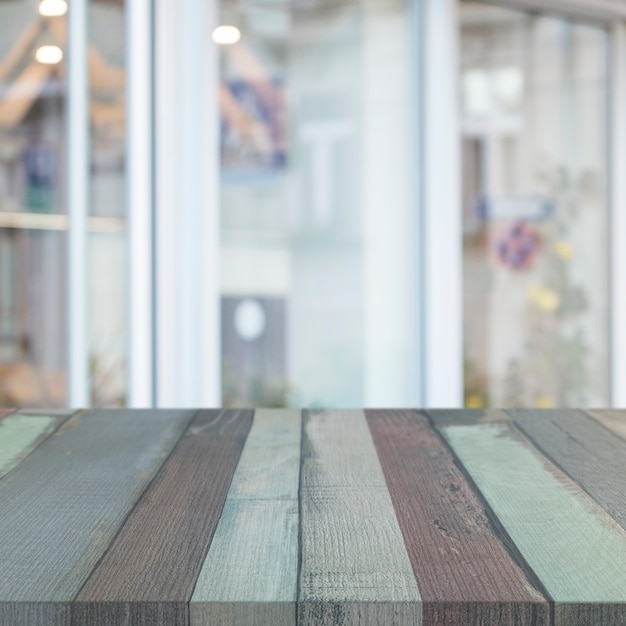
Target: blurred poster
[{"x": 253, "y": 127}]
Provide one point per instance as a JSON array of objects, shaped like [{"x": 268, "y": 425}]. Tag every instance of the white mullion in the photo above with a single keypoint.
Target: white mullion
[
  {"x": 618, "y": 215},
  {"x": 78, "y": 202},
  {"x": 187, "y": 205},
  {"x": 139, "y": 204},
  {"x": 442, "y": 299}
]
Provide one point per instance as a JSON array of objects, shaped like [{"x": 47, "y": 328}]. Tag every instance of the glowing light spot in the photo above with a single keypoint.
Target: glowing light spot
[
  {"x": 50, "y": 55},
  {"x": 226, "y": 35},
  {"x": 52, "y": 8}
]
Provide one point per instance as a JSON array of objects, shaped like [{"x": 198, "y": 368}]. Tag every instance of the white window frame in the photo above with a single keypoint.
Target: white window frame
[
  {"x": 611, "y": 15},
  {"x": 171, "y": 367}
]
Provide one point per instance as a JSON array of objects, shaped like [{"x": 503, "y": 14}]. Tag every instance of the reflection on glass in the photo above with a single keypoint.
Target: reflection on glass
[
  {"x": 315, "y": 131},
  {"x": 534, "y": 120},
  {"x": 33, "y": 223},
  {"x": 32, "y": 238}
]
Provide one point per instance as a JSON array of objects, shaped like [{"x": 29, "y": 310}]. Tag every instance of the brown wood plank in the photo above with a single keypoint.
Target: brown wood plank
[
  {"x": 158, "y": 554},
  {"x": 464, "y": 572},
  {"x": 592, "y": 455}
]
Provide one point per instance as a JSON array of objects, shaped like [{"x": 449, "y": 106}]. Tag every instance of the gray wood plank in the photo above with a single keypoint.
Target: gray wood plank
[
  {"x": 253, "y": 558},
  {"x": 60, "y": 508},
  {"x": 592, "y": 455},
  {"x": 354, "y": 564}
]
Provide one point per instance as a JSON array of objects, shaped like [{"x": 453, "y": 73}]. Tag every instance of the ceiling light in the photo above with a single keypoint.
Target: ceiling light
[
  {"x": 52, "y": 8},
  {"x": 225, "y": 35},
  {"x": 50, "y": 55}
]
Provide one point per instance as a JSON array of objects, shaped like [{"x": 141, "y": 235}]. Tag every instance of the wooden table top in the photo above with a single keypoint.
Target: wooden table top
[{"x": 283, "y": 517}]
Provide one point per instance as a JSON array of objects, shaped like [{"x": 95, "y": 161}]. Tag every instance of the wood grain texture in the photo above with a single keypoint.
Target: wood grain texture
[
  {"x": 464, "y": 572},
  {"x": 244, "y": 613},
  {"x": 157, "y": 556},
  {"x": 576, "y": 549},
  {"x": 353, "y": 557},
  {"x": 62, "y": 505},
  {"x": 592, "y": 455},
  {"x": 613, "y": 419},
  {"x": 34, "y": 613},
  {"x": 253, "y": 557},
  {"x": 384, "y": 613},
  {"x": 21, "y": 434}
]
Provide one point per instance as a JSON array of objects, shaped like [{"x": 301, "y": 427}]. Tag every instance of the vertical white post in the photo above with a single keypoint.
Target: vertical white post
[
  {"x": 443, "y": 300},
  {"x": 618, "y": 215},
  {"x": 187, "y": 205},
  {"x": 391, "y": 205},
  {"x": 78, "y": 202},
  {"x": 139, "y": 204}
]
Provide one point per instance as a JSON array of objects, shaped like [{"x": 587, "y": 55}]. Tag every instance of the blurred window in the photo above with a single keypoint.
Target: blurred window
[
  {"x": 316, "y": 203},
  {"x": 33, "y": 215},
  {"x": 534, "y": 102}
]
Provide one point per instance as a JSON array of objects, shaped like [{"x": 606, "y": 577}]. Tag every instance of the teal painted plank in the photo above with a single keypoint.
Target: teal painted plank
[
  {"x": 575, "y": 548},
  {"x": 253, "y": 557},
  {"x": 21, "y": 434},
  {"x": 354, "y": 561},
  {"x": 61, "y": 506}
]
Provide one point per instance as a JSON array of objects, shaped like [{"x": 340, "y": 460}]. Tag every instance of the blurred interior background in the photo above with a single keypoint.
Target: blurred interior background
[{"x": 355, "y": 203}]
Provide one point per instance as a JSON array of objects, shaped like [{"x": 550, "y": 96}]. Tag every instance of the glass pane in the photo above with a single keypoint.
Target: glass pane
[
  {"x": 32, "y": 204},
  {"x": 316, "y": 200},
  {"x": 535, "y": 213},
  {"x": 107, "y": 286}
]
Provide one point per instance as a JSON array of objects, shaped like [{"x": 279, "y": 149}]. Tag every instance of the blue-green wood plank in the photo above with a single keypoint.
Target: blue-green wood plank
[
  {"x": 21, "y": 433},
  {"x": 574, "y": 547}
]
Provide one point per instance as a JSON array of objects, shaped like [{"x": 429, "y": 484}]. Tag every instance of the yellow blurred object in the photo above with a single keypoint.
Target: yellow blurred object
[
  {"x": 543, "y": 298},
  {"x": 564, "y": 250},
  {"x": 474, "y": 401},
  {"x": 549, "y": 301},
  {"x": 544, "y": 401}
]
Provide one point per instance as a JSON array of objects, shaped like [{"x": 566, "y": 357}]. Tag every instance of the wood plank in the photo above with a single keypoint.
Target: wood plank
[
  {"x": 20, "y": 434},
  {"x": 592, "y": 455},
  {"x": 613, "y": 419},
  {"x": 158, "y": 554},
  {"x": 456, "y": 417},
  {"x": 354, "y": 565},
  {"x": 253, "y": 558},
  {"x": 464, "y": 572},
  {"x": 575, "y": 548},
  {"x": 61, "y": 506}
]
